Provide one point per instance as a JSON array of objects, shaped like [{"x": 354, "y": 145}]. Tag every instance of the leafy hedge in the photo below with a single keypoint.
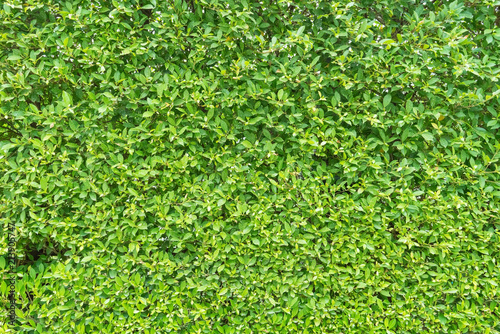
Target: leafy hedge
[{"x": 209, "y": 166}]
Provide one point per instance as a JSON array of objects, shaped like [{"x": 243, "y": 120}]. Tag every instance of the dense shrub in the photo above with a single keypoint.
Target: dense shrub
[{"x": 210, "y": 166}]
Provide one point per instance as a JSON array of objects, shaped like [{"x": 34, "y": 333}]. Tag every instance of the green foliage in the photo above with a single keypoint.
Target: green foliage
[{"x": 209, "y": 166}]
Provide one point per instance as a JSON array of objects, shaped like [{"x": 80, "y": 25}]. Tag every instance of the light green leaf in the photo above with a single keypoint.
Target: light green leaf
[
  {"x": 428, "y": 136},
  {"x": 210, "y": 114},
  {"x": 387, "y": 100},
  {"x": 247, "y": 144},
  {"x": 280, "y": 94},
  {"x": 66, "y": 99}
]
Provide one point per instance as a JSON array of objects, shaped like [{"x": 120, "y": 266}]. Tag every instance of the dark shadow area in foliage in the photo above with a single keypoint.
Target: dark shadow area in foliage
[
  {"x": 42, "y": 252},
  {"x": 8, "y": 130}
]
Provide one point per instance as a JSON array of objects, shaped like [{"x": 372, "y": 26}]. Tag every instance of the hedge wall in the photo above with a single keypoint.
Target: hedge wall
[{"x": 209, "y": 166}]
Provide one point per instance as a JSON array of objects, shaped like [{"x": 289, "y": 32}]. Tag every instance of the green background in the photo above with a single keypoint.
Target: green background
[{"x": 244, "y": 167}]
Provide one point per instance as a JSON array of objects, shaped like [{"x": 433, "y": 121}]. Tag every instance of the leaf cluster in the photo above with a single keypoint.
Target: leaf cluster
[{"x": 208, "y": 166}]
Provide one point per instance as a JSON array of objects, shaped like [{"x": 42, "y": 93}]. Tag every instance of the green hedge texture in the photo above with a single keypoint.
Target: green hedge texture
[{"x": 209, "y": 166}]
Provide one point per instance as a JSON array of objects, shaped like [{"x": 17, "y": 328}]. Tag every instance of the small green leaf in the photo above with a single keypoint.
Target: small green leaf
[
  {"x": 387, "y": 100},
  {"x": 255, "y": 120},
  {"x": 223, "y": 125},
  {"x": 409, "y": 106},
  {"x": 280, "y": 94},
  {"x": 66, "y": 99},
  {"x": 34, "y": 108},
  {"x": 26, "y": 201},
  {"x": 43, "y": 183},
  {"x": 314, "y": 61},
  {"x": 160, "y": 89},
  {"x": 13, "y": 56},
  {"x": 482, "y": 181},
  {"x": 247, "y": 144},
  {"x": 210, "y": 114},
  {"x": 428, "y": 136},
  {"x": 451, "y": 291}
]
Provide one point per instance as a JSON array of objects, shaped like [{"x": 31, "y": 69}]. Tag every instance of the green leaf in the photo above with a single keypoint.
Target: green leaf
[
  {"x": 223, "y": 125},
  {"x": 255, "y": 120},
  {"x": 314, "y": 61},
  {"x": 27, "y": 201},
  {"x": 428, "y": 136},
  {"x": 13, "y": 56},
  {"x": 280, "y": 94},
  {"x": 43, "y": 183},
  {"x": 387, "y": 100},
  {"x": 409, "y": 106},
  {"x": 450, "y": 291},
  {"x": 247, "y": 144},
  {"x": 66, "y": 99},
  {"x": 210, "y": 114},
  {"x": 34, "y": 108}
]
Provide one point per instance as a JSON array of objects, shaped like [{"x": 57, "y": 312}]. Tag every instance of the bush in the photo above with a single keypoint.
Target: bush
[{"x": 210, "y": 166}]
